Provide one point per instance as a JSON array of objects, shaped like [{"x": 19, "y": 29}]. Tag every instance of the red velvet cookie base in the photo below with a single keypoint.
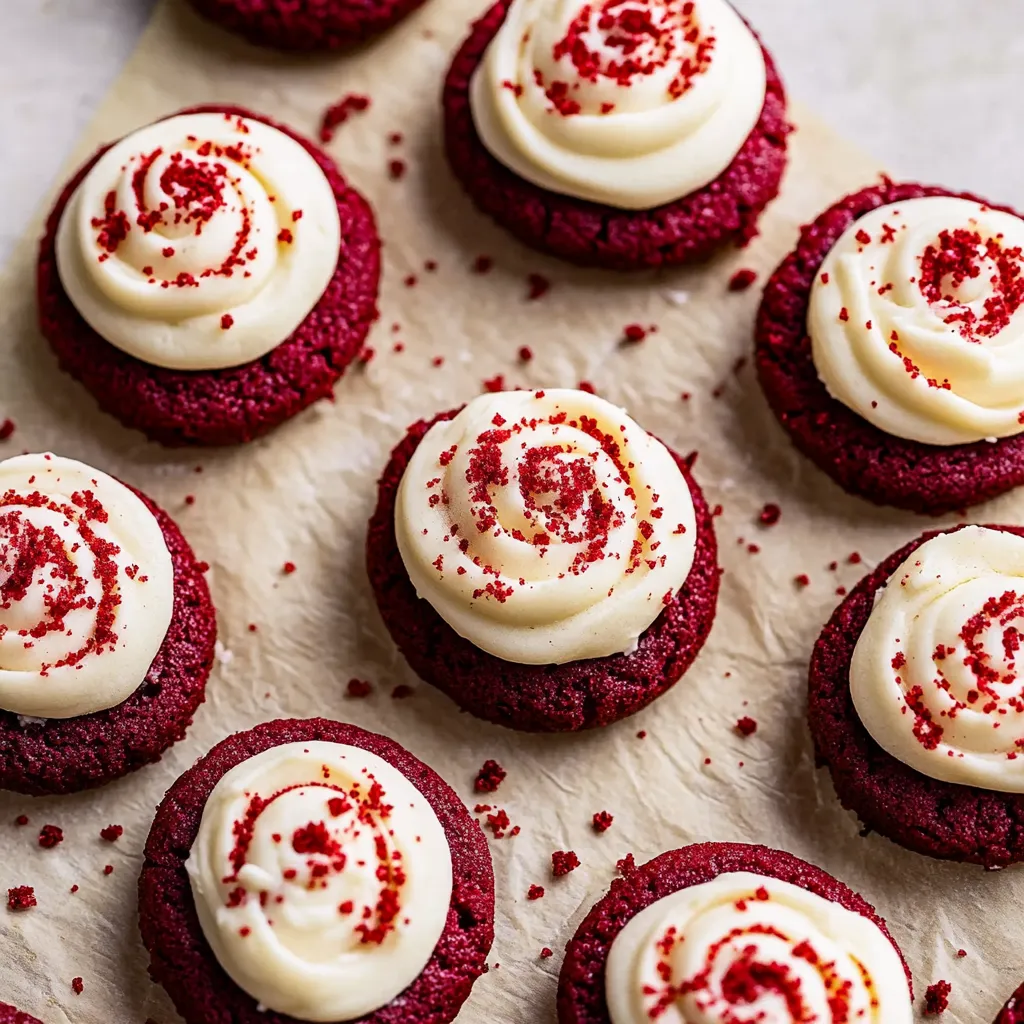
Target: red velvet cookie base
[
  {"x": 938, "y": 819},
  {"x": 862, "y": 459},
  {"x": 306, "y": 25},
  {"x": 1013, "y": 1011},
  {"x": 591, "y": 234},
  {"x": 538, "y": 698},
  {"x": 238, "y": 404},
  {"x": 66, "y": 755},
  {"x": 9, "y": 1015},
  {"x": 581, "y": 992},
  {"x": 184, "y": 964}
]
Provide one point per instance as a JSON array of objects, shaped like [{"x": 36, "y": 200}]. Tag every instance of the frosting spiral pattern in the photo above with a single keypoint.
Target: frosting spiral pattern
[
  {"x": 744, "y": 948},
  {"x": 630, "y": 103},
  {"x": 199, "y": 242},
  {"x": 916, "y": 320},
  {"x": 934, "y": 676},
  {"x": 322, "y": 879},
  {"x": 545, "y": 527},
  {"x": 86, "y": 588}
]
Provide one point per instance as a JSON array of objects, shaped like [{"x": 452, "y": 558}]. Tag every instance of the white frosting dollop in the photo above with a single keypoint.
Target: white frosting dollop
[
  {"x": 86, "y": 588},
  {"x": 630, "y": 103},
  {"x": 199, "y": 242},
  {"x": 322, "y": 879},
  {"x": 748, "y": 949},
  {"x": 545, "y": 527},
  {"x": 934, "y": 676},
  {"x": 916, "y": 320}
]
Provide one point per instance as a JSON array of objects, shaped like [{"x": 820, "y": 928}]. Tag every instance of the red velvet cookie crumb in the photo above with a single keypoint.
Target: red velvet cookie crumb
[
  {"x": 237, "y": 404},
  {"x": 490, "y": 777},
  {"x": 305, "y": 25},
  {"x": 938, "y": 819},
  {"x": 50, "y": 836},
  {"x": 581, "y": 994},
  {"x": 65, "y": 755},
  {"x": 535, "y": 892},
  {"x": 861, "y": 458},
  {"x": 538, "y": 698},
  {"x": 10, "y": 1015},
  {"x": 563, "y": 861},
  {"x": 936, "y": 998},
  {"x": 1011, "y": 1013},
  {"x": 112, "y": 833},
  {"x": 688, "y": 229},
  {"x": 21, "y": 897},
  {"x": 601, "y": 821},
  {"x": 184, "y": 964}
]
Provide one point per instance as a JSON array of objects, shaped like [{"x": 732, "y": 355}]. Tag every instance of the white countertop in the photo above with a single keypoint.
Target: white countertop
[{"x": 931, "y": 87}]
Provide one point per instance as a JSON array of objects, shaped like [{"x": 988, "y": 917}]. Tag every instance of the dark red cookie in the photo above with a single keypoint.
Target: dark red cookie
[
  {"x": 1013, "y": 1011},
  {"x": 862, "y": 459},
  {"x": 538, "y": 698},
  {"x": 9, "y": 1015},
  {"x": 938, "y": 819},
  {"x": 581, "y": 998},
  {"x": 591, "y": 234},
  {"x": 184, "y": 964},
  {"x": 66, "y": 755},
  {"x": 305, "y": 25},
  {"x": 234, "y": 405}
]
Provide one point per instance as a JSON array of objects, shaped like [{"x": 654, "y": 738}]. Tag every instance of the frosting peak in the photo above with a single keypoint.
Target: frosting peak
[{"x": 631, "y": 103}]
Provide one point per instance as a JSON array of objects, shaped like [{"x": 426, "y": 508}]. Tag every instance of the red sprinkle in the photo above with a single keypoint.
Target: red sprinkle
[
  {"x": 563, "y": 861},
  {"x": 936, "y": 998},
  {"x": 50, "y": 836},
  {"x": 746, "y": 726},
  {"x": 339, "y": 113},
  {"x": 539, "y": 286},
  {"x": 77, "y": 985},
  {"x": 490, "y": 777},
  {"x": 742, "y": 280},
  {"x": 6, "y": 429},
  {"x": 770, "y": 515},
  {"x": 23, "y": 897},
  {"x": 535, "y": 892},
  {"x": 358, "y": 688},
  {"x": 112, "y": 833},
  {"x": 602, "y": 821}
]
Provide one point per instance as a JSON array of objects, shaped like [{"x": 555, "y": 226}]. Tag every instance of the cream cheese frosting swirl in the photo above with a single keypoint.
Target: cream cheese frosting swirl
[
  {"x": 630, "y": 103},
  {"x": 934, "y": 676},
  {"x": 322, "y": 878},
  {"x": 748, "y": 949},
  {"x": 916, "y": 320},
  {"x": 545, "y": 527},
  {"x": 199, "y": 242},
  {"x": 86, "y": 588}
]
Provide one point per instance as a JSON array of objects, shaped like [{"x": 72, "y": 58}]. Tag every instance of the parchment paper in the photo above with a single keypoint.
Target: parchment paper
[{"x": 305, "y": 494}]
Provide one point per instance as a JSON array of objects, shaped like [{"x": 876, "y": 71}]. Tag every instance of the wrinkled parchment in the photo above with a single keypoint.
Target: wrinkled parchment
[{"x": 305, "y": 495}]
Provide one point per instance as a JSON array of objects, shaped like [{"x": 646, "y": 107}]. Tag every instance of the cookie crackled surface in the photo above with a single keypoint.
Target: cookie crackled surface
[{"x": 208, "y": 276}]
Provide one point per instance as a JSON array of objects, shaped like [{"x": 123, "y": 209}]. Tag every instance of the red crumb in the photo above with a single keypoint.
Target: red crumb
[
  {"x": 50, "y": 836},
  {"x": 499, "y": 824},
  {"x": 401, "y": 691},
  {"x": 602, "y": 821},
  {"x": 855, "y": 558},
  {"x": 338, "y": 113},
  {"x": 545, "y": 953},
  {"x": 190, "y": 499},
  {"x": 227, "y": 321},
  {"x": 396, "y": 169},
  {"x": 77, "y": 986},
  {"x": 409, "y": 281},
  {"x": 626, "y": 866},
  {"x": 742, "y": 280},
  {"x": 482, "y": 264},
  {"x": 525, "y": 354},
  {"x": 770, "y": 514},
  {"x": 746, "y": 726},
  {"x": 535, "y": 892},
  {"x": 634, "y": 333},
  {"x": 961, "y": 953},
  {"x": 539, "y": 286},
  {"x": 430, "y": 266},
  {"x": 437, "y": 361},
  {"x": 563, "y": 861},
  {"x": 367, "y": 353},
  {"x": 358, "y": 688},
  {"x": 112, "y": 833},
  {"x": 253, "y": 628},
  {"x": 395, "y": 138},
  {"x": 21, "y": 820},
  {"x": 585, "y": 385},
  {"x": 21, "y": 898},
  {"x": 495, "y": 383},
  {"x": 108, "y": 869},
  {"x": 73, "y": 889},
  {"x": 936, "y": 998},
  {"x": 642, "y": 734},
  {"x": 803, "y": 580},
  {"x": 6, "y": 429},
  {"x": 288, "y": 568},
  {"x": 841, "y": 591},
  {"x": 490, "y": 777}
]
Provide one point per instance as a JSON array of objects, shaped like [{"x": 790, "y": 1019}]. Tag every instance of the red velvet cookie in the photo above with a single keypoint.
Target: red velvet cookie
[
  {"x": 936, "y": 818},
  {"x": 863, "y": 459},
  {"x": 581, "y": 985},
  {"x": 65, "y": 755},
  {"x": 182, "y": 961},
  {"x": 9, "y": 1015},
  {"x": 538, "y": 698},
  {"x": 240, "y": 403},
  {"x": 305, "y": 25},
  {"x": 1013, "y": 1011},
  {"x": 590, "y": 234}
]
